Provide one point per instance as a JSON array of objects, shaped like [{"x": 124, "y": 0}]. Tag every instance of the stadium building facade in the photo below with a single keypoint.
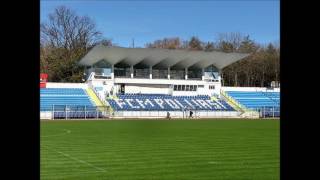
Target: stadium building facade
[{"x": 113, "y": 70}]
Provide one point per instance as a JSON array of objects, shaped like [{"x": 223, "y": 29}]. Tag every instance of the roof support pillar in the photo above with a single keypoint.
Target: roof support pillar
[
  {"x": 131, "y": 71},
  {"x": 150, "y": 72},
  {"x": 112, "y": 71},
  {"x": 220, "y": 77},
  {"x": 202, "y": 70},
  {"x": 168, "y": 72},
  {"x": 186, "y": 73}
]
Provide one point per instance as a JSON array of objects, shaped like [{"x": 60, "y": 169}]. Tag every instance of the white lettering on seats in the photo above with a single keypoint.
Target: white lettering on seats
[
  {"x": 147, "y": 101},
  {"x": 171, "y": 103},
  {"x": 203, "y": 103},
  {"x": 141, "y": 103},
  {"x": 195, "y": 102},
  {"x": 120, "y": 103},
  {"x": 221, "y": 104},
  {"x": 214, "y": 104},
  {"x": 177, "y": 101},
  {"x": 159, "y": 102},
  {"x": 132, "y": 106},
  {"x": 185, "y": 100}
]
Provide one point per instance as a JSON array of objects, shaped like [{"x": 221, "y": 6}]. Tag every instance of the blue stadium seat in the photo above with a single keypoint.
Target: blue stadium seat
[{"x": 63, "y": 96}]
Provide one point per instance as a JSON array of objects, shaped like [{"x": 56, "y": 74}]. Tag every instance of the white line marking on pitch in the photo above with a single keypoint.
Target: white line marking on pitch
[{"x": 78, "y": 160}]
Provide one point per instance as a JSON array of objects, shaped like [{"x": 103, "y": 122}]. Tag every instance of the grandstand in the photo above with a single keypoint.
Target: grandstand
[
  {"x": 254, "y": 100},
  {"x": 63, "y": 96},
  {"x": 140, "y": 82}
]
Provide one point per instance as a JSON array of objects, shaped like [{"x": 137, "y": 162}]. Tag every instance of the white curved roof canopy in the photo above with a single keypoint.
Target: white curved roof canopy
[{"x": 159, "y": 58}]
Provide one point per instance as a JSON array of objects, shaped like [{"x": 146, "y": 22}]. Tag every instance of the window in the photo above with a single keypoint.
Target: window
[
  {"x": 211, "y": 87},
  {"x": 185, "y": 87},
  {"x": 191, "y": 87},
  {"x": 101, "y": 77}
]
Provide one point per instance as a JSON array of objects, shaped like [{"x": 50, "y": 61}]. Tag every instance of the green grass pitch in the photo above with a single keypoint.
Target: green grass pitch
[{"x": 160, "y": 150}]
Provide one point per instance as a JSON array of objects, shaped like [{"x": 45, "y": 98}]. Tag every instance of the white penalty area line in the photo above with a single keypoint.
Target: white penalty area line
[{"x": 78, "y": 160}]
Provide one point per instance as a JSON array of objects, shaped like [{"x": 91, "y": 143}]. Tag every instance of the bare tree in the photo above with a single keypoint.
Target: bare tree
[
  {"x": 64, "y": 39},
  {"x": 209, "y": 46},
  {"x": 166, "y": 43},
  {"x": 65, "y": 29},
  {"x": 195, "y": 44},
  {"x": 230, "y": 42}
]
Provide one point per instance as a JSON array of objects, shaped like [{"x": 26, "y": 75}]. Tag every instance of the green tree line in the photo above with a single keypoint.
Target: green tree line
[{"x": 259, "y": 69}]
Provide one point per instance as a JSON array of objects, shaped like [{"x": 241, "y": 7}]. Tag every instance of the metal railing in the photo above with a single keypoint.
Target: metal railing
[
  {"x": 64, "y": 112},
  {"x": 79, "y": 112},
  {"x": 268, "y": 111},
  {"x": 174, "y": 114}
]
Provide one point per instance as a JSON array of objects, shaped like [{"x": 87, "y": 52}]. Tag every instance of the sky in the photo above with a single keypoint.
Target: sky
[{"x": 147, "y": 21}]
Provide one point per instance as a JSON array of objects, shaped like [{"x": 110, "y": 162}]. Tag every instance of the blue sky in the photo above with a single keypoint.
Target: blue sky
[{"x": 146, "y": 21}]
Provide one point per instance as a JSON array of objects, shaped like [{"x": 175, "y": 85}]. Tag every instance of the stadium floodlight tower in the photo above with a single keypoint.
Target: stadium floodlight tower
[{"x": 113, "y": 70}]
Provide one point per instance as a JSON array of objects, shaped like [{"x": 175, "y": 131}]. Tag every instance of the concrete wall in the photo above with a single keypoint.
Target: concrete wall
[
  {"x": 45, "y": 115},
  {"x": 226, "y": 88},
  {"x": 67, "y": 85},
  {"x": 174, "y": 114},
  {"x": 150, "y": 89}
]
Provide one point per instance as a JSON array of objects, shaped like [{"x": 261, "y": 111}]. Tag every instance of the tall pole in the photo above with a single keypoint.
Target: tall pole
[
  {"x": 221, "y": 77},
  {"x": 185, "y": 73}
]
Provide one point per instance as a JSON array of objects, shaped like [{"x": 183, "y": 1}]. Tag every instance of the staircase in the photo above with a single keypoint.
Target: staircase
[
  {"x": 237, "y": 106},
  {"x": 94, "y": 97}
]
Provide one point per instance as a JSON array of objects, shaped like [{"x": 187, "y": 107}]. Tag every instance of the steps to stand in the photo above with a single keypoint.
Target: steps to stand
[
  {"x": 94, "y": 97},
  {"x": 233, "y": 102},
  {"x": 99, "y": 102}
]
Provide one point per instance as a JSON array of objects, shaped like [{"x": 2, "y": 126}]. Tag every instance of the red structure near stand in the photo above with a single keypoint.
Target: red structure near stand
[{"x": 43, "y": 80}]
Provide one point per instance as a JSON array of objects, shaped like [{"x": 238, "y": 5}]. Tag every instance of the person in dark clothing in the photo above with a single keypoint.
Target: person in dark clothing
[
  {"x": 191, "y": 113},
  {"x": 168, "y": 115}
]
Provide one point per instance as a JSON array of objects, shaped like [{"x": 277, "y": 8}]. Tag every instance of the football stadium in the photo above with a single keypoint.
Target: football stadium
[
  {"x": 155, "y": 83},
  {"x": 182, "y": 90},
  {"x": 157, "y": 114}
]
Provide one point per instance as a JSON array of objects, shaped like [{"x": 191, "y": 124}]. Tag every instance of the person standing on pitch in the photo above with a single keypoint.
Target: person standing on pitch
[{"x": 191, "y": 114}]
